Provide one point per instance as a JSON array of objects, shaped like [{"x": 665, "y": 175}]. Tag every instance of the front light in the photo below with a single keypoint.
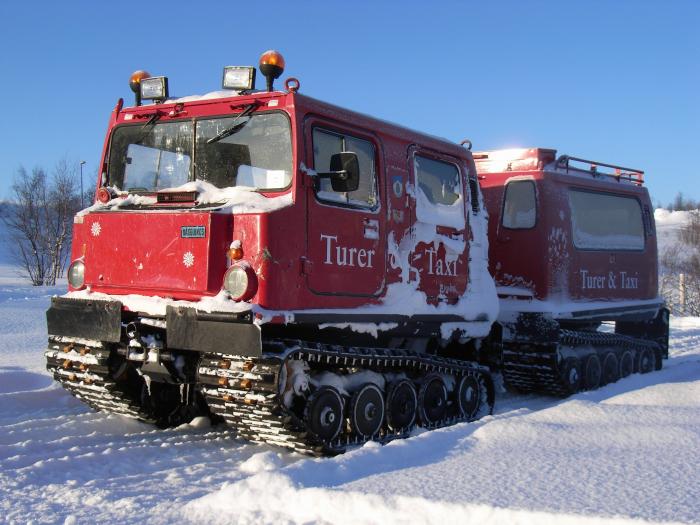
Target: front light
[
  {"x": 240, "y": 281},
  {"x": 76, "y": 275},
  {"x": 154, "y": 88},
  {"x": 238, "y": 77}
]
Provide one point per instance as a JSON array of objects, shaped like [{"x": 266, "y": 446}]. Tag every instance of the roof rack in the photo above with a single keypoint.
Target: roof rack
[{"x": 621, "y": 173}]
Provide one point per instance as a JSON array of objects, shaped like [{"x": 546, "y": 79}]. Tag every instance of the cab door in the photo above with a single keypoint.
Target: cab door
[
  {"x": 346, "y": 237},
  {"x": 440, "y": 258}
]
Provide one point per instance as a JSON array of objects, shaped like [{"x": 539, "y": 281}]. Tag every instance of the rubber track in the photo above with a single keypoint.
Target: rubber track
[
  {"x": 255, "y": 408},
  {"x": 91, "y": 382},
  {"x": 534, "y": 368}
]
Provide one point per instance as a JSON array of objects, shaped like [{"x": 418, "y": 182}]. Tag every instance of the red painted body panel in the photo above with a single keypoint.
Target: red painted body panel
[{"x": 139, "y": 251}]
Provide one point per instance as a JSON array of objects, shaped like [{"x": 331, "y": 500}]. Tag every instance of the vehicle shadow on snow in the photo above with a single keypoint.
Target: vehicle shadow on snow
[
  {"x": 676, "y": 370},
  {"x": 17, "y": 379},
  {"x": 422, "y": 448},
  {"x": 26, "y": 395},
  {"x": 426, "y": 447}
]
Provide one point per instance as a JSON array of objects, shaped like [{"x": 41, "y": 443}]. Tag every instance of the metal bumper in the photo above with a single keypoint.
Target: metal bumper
[
  {"x": 190, "y": 329},
  {"x": 186, "y": 328}
]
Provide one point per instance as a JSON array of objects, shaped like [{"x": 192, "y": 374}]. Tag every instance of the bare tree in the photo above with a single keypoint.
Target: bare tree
[
  {"x": 40, "y": 220},
  {"x": 682, "y": 203}
]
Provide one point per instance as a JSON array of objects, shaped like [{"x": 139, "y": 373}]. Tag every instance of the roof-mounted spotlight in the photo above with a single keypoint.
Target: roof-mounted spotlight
[
  {"x": 272, "y": 66},
  {"x": 240, "y": 78},
  {"x": 135, "y": 83},
  {"x": 154, "y": 88}
]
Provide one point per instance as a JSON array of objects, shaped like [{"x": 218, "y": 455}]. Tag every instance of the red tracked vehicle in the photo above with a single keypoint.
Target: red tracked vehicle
[{"x": 318, "y": 278}]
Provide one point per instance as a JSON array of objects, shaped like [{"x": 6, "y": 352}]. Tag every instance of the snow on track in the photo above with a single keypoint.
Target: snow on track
[{"x": 629, "y": 452}]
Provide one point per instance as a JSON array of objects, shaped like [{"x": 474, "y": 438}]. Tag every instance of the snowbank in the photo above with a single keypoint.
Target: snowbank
[{"x": 668, "y": 219}]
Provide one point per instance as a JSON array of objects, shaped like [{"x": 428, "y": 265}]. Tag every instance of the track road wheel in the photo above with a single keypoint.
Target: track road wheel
[
  {"x": 571, "y": 374},
  {"x": 367, "y": 410},
  {"x": 611, "y": 368},
  {"x": 658, "y": 359},
  {"x": 324, "y": 414},
  {"x": 468, "y": 396},
  {"x": 401, "y": 404},
  {"x": 432, "y": 400},
  {"x": 626, "y": 363},
  {"x": 592, "y": 372},
  {"x": 645, "y": 361}
]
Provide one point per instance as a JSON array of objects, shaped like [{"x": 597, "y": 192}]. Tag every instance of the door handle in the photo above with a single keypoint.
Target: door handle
[{"x": 371, "y": 229}]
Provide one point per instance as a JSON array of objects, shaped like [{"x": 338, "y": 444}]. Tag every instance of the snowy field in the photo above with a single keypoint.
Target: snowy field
[{"x": 628, "y": 453}]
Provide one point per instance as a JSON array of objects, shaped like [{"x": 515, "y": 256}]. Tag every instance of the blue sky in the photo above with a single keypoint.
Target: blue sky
[{"x": 615, "y": 81}]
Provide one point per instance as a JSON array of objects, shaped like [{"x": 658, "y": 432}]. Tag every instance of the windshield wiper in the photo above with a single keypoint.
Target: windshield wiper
[
  {"x": 235, "y": 127},
  {"x": 143, "y": 131}
]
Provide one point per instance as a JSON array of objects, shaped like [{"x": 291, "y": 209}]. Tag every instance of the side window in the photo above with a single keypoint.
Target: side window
[
  {"x": 327, "y": 143},
  {"x": 519, "y": 205},
  {"x": 601, "y": 221},
  {"x": 439, "y": 197}
]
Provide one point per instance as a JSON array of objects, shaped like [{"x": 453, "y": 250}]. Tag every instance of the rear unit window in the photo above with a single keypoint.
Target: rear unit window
[
  {"x": 520, "y": 205},
  {"x": 601, "y": 221}
]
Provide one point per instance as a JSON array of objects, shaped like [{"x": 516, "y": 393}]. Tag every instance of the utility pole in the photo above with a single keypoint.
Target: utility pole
[{"x": 82, "y": 193}]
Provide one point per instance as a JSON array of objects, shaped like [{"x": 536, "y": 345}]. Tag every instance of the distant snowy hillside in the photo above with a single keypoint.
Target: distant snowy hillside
[{"x": 668, "y": 225}]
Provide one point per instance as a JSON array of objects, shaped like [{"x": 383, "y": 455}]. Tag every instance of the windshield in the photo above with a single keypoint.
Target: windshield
[
  {"x": 151, "y": 157},
  {"x": 256, "y": 153}
]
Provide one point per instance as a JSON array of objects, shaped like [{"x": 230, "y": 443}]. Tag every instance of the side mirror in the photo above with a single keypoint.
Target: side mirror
[{"x": 345, "y": 172}]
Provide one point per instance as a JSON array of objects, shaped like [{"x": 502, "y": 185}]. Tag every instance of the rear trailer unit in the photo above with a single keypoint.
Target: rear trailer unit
[{"x": 574, "y": 256}]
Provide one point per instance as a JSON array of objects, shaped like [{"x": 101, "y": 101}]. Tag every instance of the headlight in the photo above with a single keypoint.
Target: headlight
[
  {"x": 154, "y": 88},
  {"x": 240, "y": 78},
  {"x": 240, "y": 281},
  {"x": 76, "y": 274}
]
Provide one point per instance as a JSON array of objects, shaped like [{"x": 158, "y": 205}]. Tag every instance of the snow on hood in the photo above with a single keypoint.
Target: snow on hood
[{"x": 238, "y": 199}]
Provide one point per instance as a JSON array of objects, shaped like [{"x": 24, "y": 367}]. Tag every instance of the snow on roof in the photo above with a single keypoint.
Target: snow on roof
[{"x": 222, "y": 93}]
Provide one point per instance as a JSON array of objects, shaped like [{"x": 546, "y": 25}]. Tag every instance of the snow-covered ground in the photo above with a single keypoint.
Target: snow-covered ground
[{"x": 627, "y": 453}]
